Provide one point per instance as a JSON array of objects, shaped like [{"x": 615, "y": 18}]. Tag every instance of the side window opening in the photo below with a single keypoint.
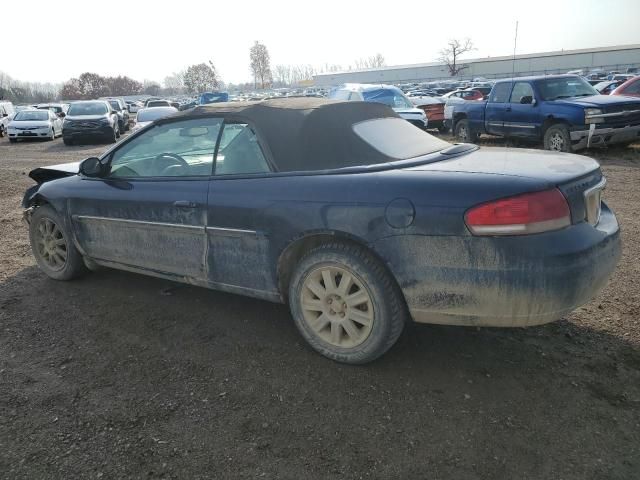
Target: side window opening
[
  {"x": 239, "y": 151},
  {"x": 176, "y": 149},
  {"x": 500, "y": 93}
]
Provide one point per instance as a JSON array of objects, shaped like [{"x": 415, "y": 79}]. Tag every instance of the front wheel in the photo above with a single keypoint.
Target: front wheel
[
  {"x": 557, "y": 138},
  {"x": 463, "y": 132},
  {"x": 345, "y": 304},
  {"x": 1, "y": 131},
  {"x": 53, "y": 134},
  {"x": 52, "y": 245}
]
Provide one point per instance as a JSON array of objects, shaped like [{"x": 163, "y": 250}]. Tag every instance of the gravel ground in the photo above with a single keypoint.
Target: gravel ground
[{"x": 118, "y": 375}]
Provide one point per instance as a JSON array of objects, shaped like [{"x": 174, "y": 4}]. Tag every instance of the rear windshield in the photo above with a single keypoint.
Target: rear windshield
[
  {"x": 87, "y": 109},
  {"x": 158, "y": 103},
  {"x": 26, "y": 115},
  {"x": 388, "y": 97},
  {"x": 397, "y": 138}
]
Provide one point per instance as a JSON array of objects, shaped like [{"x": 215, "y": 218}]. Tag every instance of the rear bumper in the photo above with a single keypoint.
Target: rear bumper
[
  {"x": 503, "y": 281},
  {"x": 604, "y": 136}
]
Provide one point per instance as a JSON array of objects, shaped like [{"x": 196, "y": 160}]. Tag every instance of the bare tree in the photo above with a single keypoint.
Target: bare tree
[
  {"x": 260, "y": 64},
  {"x": 174, "y": 83},
  {"x": 450, "y": 55}
]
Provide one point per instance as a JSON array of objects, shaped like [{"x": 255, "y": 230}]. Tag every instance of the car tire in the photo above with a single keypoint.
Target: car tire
[
  {"x": 557, "y": 138},
  {"x": 463, "y": 132},
  {"x": 67, "y": 141},
  {"x": 52, "y": 245},
  {"x": 1, "y": 131},
  {"x": 353, "y": 323},
  {"x": 118, "y": 131}
]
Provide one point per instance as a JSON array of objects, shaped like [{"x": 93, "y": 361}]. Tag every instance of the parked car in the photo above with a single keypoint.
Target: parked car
[
  {"x": 630, "y": 88},
  {"x": 469, "y": 95},
  {"x": 41, "y": 123},
  {"x": 434, "y": 110},
  {"x": 90, "y": 119},
  {"x": 148, "y": 115},
  {"x": 633, "y": 70},
  {"x": 386, "y": 94},
  {"x": 57, "y": 108},
  {"x": 350, "y": 215},
  {"x": 6, "y": 114},
  {"x": 212, "y": 97},
  {"x": 562, "y": 111},
  {"x": 133, "y": 107},
  {"x": 120, "y": 107},
  {"x": 608, "y": 86},
  {"x": 157, "y": 103},
  {"x": 484, "y": 90}
]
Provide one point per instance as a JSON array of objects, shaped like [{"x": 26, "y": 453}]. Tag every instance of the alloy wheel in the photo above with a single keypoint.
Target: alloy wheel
[
  {"x": 51, "y": 244},
  {"x": 463, "y": 133},
  {"x": 337, "y": 306},
  {"x": 556, "y": 142}
]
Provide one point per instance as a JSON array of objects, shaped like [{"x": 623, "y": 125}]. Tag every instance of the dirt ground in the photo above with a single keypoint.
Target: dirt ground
[{"x": 118, "y": 375}]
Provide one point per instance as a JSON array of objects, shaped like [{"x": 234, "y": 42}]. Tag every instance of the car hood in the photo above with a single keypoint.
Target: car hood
[
  {"x": 29, "y": 123},
  {"x": 598, "y": 101},
  {"x": 553, "y": 167},
  {"x": 53, "y": 172},
  {"x": 78, "y": 118}
]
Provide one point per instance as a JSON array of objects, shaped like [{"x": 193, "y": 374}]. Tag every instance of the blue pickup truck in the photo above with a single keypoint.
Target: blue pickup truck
[{"x": 563, "y": 111}]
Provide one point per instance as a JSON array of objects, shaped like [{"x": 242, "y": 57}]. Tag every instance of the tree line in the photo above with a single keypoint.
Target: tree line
[{"x": 201, "y": 77}]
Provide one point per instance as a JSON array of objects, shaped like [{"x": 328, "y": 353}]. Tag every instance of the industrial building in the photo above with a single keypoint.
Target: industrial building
[{"x": 606, "y": 58}]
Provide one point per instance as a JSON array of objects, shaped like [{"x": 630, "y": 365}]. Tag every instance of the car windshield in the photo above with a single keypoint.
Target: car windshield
[
  {"x": 87, "y": 109},
  {"x": 388, "y": 97},
  {"x": 115, "y": 104},
  {"x": 397, "y": 138},
  {"x": 151, "y": 114},
  {"x": 565, "y": 87},
  {"x": 27, "y": 115}
]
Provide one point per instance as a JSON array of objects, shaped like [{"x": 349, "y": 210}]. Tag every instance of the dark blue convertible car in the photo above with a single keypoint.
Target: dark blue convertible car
[{"x": 356, "y": 218}]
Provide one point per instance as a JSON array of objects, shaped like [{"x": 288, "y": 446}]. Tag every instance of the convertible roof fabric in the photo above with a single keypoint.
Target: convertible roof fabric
[{"x": 306, "y": 133}]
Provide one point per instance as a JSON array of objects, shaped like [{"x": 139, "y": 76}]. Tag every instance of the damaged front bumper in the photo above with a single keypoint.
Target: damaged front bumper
[
  {"x": 27, "y": 214},
  {"x": 594, "y": 137}
]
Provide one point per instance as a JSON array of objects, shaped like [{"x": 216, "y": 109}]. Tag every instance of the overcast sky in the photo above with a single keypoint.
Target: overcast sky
[{"x": 150, "y": 39}]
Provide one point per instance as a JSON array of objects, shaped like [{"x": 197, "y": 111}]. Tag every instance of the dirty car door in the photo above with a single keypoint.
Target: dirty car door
[
  {"x": 238, "y": 253},
  {"x": 150, "y": 210}
]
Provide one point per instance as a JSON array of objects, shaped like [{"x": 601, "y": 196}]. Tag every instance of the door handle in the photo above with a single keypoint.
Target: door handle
[{"x": 184, "y": 204}]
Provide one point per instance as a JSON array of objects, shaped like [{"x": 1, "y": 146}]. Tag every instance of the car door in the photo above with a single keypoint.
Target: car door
[
  {"x": 238, "y": 220},
  {"x": 150, "y": 210},
  {"x": 56, "y": 124},
  {"x": 522, "y": 113},
  {"x": 496, "y": 109}
]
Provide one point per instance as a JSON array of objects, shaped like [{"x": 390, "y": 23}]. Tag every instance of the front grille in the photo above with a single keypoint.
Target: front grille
[
  {"x": 630, "y": 115},
  {"x": 86, "y": 124}
]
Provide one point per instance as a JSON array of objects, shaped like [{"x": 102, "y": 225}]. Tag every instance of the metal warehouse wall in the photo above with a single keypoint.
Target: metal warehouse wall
[{"x": 611, "y": 58}]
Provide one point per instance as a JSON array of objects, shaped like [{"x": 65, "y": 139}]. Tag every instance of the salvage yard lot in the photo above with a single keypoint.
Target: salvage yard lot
[{"x": 119, "y": 375}]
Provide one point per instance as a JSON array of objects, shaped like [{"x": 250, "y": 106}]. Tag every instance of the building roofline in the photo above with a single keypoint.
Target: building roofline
[{"x": 488, "y": 59}]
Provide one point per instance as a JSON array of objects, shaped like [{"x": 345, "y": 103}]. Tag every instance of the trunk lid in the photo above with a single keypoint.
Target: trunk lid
[{"x": 572, "y": 174}]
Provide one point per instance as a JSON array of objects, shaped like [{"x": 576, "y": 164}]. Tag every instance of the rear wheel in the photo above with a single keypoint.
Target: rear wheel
[
  {"x": 1, "y": 130},
  {"x": 52, "y": 246},
  {"x": 67, "y": 141},
  {"x": 557, "y": 138},
  {"x": 464, "y": 133},
  {"x": 345, "y": 304}
]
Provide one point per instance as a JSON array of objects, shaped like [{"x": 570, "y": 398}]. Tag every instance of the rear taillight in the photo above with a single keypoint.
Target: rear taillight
[{"x": 520, "y": 215}]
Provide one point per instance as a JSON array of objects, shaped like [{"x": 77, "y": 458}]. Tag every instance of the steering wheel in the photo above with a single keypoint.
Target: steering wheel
[{"x": 170, "y": 159}]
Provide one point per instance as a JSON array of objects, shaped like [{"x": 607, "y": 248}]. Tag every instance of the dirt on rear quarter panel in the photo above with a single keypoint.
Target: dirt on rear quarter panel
[{"x": 118, "y": 375}]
